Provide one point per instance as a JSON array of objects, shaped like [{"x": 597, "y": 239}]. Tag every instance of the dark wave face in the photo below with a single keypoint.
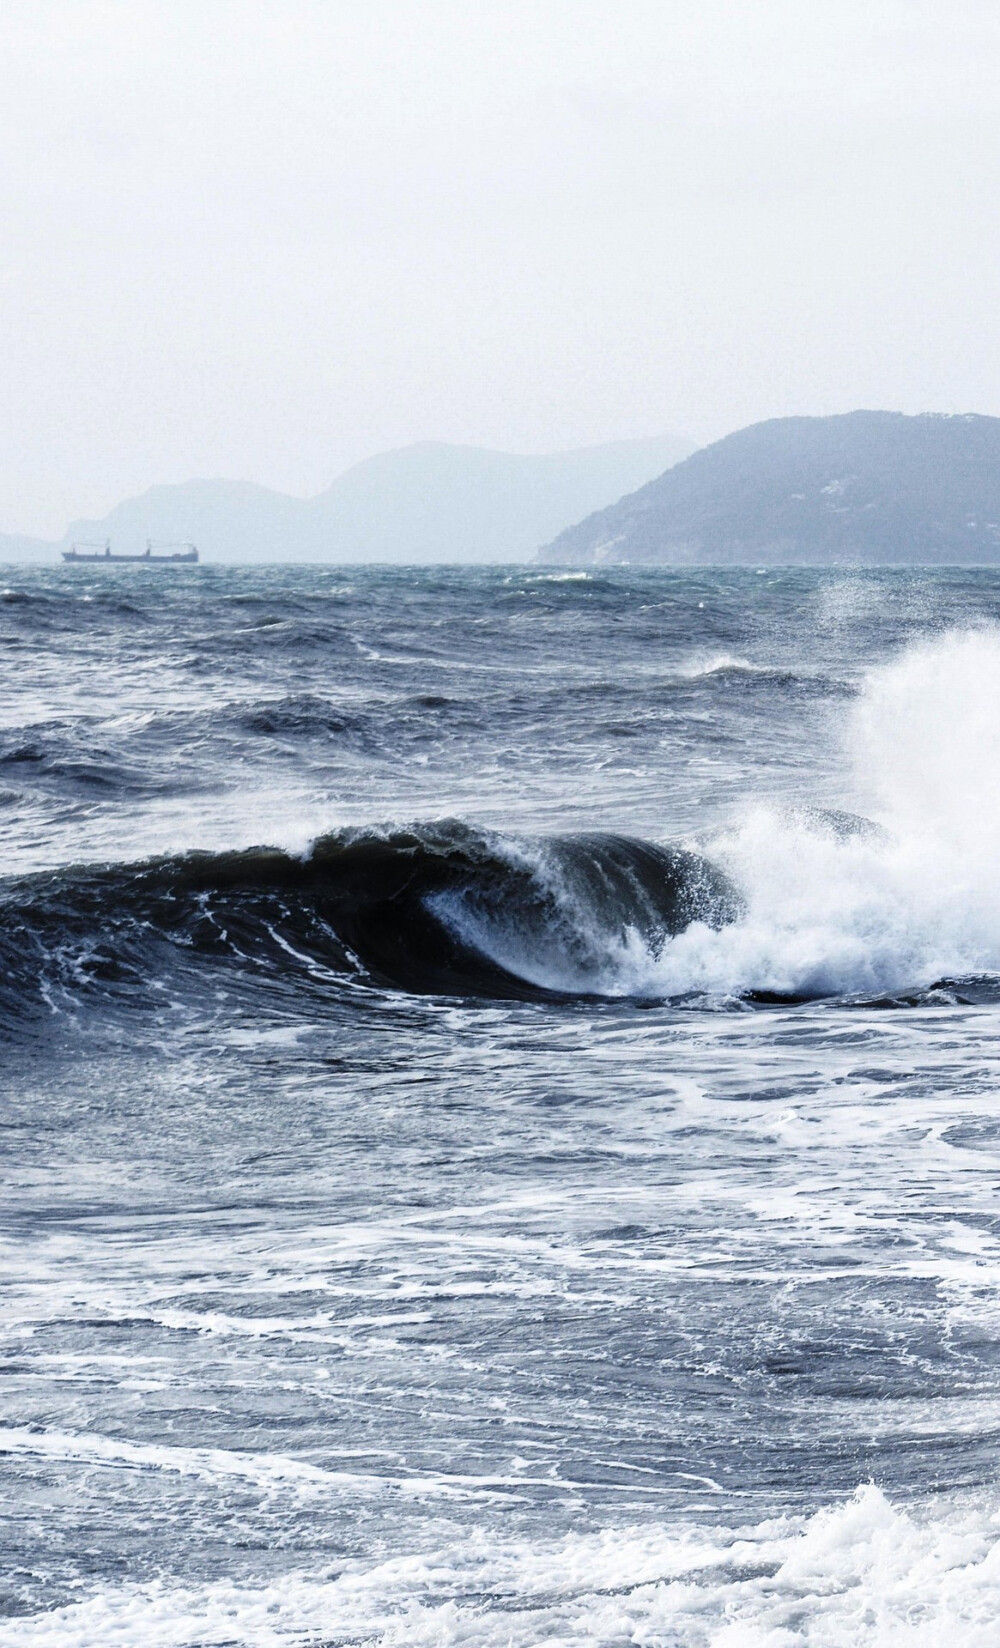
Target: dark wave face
[
  {"x": 436, "y": 909},
  {"x": 451, "y": 910}
]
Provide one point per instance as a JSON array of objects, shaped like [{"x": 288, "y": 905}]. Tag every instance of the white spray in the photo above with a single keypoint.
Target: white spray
[{"x": 875, "y": 912}]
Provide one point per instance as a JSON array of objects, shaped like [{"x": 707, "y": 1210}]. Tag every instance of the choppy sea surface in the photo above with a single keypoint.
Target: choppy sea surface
[{"x": 500, "y": 1121}]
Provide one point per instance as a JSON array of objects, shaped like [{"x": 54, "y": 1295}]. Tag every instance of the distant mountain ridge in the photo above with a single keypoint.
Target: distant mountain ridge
[
  {"x": 854, "y": 488},
  {"x": 422, "y": 503}
]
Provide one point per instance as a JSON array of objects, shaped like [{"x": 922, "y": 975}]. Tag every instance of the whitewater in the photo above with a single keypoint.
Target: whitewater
[{"x": 499, "y": 1106}]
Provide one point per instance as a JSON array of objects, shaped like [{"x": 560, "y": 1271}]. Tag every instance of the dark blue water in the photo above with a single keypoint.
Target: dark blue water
[{"x": 499, "y": 1127}]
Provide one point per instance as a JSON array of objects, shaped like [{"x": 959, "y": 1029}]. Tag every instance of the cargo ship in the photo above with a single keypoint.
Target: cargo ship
[{"x": 162, "y": 554}]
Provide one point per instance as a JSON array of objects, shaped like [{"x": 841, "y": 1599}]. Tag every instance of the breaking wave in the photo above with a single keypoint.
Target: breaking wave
[{"x": 440, "y": 908}]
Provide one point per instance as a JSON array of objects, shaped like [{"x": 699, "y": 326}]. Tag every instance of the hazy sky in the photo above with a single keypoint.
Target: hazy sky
[{"x": 263, "y": 238}]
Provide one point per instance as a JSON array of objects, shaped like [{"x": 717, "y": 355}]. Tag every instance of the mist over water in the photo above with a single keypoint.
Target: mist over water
[{"x": 499, "y": 1107}]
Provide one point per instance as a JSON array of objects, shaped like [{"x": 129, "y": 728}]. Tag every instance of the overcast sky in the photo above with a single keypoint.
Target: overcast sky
[{"x": 264, "y": 238}]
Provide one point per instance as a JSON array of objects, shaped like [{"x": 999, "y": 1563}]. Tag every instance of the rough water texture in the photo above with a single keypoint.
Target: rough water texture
[{"x": 499, "y": 1108}]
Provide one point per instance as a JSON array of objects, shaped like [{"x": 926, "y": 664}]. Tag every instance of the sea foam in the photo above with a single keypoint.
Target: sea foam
[{"x": 861, "y": 1574}]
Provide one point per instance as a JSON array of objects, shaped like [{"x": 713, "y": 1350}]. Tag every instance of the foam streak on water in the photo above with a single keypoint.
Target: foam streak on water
[{"x": 550, "y": 1195}]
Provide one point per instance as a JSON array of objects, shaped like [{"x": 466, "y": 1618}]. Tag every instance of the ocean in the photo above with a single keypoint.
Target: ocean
[{"x": 500, "y": 1127}]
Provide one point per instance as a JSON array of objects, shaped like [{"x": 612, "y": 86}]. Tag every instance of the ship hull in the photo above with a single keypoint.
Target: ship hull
[{"x": 189, "y": 559}]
